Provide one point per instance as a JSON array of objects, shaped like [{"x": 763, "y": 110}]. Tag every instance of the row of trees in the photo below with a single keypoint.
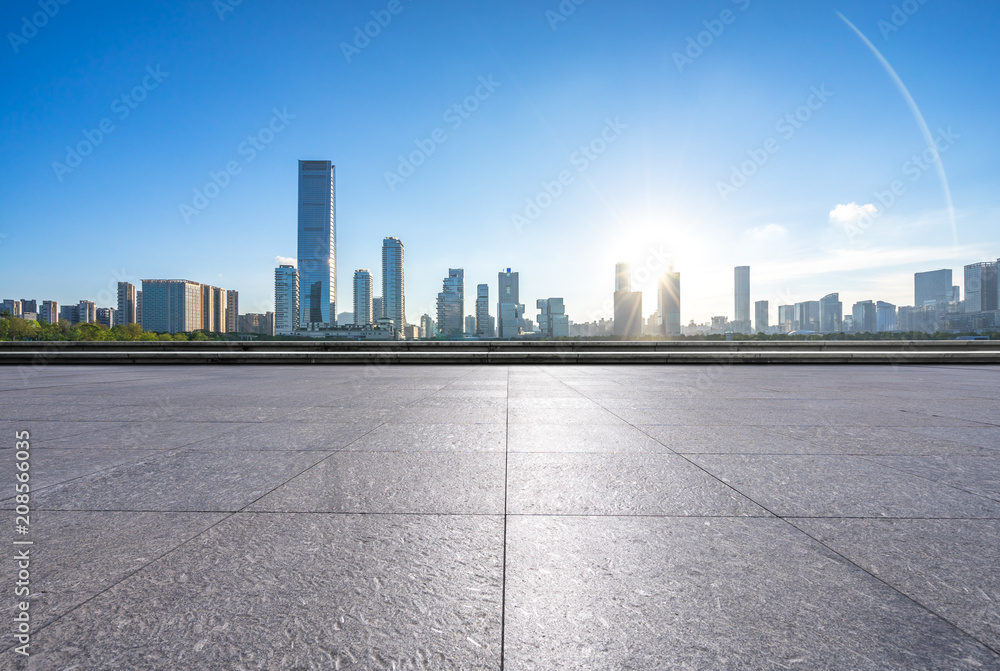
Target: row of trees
[{"x": 15, "y": 328}]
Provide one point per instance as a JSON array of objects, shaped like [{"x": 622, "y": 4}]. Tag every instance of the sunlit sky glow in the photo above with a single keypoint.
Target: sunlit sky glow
[{"x": 664, "y": 133}]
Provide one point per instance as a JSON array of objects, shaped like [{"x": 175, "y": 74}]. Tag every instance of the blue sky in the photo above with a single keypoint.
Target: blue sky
[{"x": 666, "y": 126}]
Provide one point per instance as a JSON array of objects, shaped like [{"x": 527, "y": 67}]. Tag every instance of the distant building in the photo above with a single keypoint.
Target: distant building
[
  {"x": 427, "y": 328},
  {"x": 483, "y": 329},
  {"x": 11, "y": 307},
  {"x": 363, "y": 313},
  {"x": 286, "y": 300},
  {"x": 213, "y": 309},
  {"x": 256, "y": 323},
  {"x": 922, "y": 318},
  {"x": 378, "y": 311},
  {"x": 29, "y": 305},
  {"x": 470, "y": 325},
  {"x": 49, "y": 312},
  {"x": 86, "y": 312},
  {"x": 669, "y": 303},
  {"x": 232, "y": 310},
  {"x": 552, "y": 319},
  {"x": 510, "y": 311},
  {"x": 126, "y": 313},
  {"x": 138, "y": 308},
  {"x": 741, "y": 323},
  {"x": 106, "y": 316},
  {"x": 761, "y": 317},
  {"x": 932, "y": 287},
  {"x": 627, "y": 303},
  {"x": 345, "y": 318},
  {"x": 831, "y": 314},
  {"x": 317, "y": 249},
  {"x": 806, "y": 316},
  {"x": 786, "y": 318},
  {"x": 885, "y": 317},
  {"x": 69, "y": 313},
  {"x": 171, "y": 306},
  {"x": 981, "y": 287},
  {"x": 451, "y": 303},
  {"x": 411, "y": 332},
  {"x": 393, "y": 298},
  {"x": 864, "y": 317}
]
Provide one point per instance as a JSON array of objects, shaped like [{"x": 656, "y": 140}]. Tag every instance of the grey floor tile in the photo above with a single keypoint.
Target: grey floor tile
[
  {"x": 580, "y": 438},
  {"x": 726, "y": 439},
  {"x": 950, "y": 566},
  {"x": 287, "y": 435},
  {"x": 187, "y": 480},
  {"x": 980, "y": 475},
  {"x": 300, "y": 592},
  {"x": 833, "y": 438},
  {"x": 671, "y": 593},
  {"x": 142, "y": 435},
  {"x": 432, "y": 438},
  {"x": 618, "y": 484},
  {"x": 51, "y": 466},
  {"x": 395, "y": 482},
  {"x": 840, "y": 486},
  {"x": 590, "y": 415}
]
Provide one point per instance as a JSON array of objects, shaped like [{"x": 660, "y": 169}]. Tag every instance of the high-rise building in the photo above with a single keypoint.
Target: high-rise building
[
  {"x": 864, "y": 317},
  {"x": 261, "y": 324},
  {"x": 393, "y": 298},
  {"x": 483, "y": 311},
  {"x": 761, "y": 316},
  {"x": 69, "y": 313},
  {"x": 317, "y": 248},
  {"x": 427, "y": 328},
  {"x": 741, "y": 323},
  {"x": 378, "y": 311},
  {"x": 363, "y": 297},
  {"x": 786, "y": 318},
  {"x": 552, "y": 319},
  {"x": 451, "y": 303},
  {"x": 171, "y": 306},
  {"x": 138, "y": 308},
  {"x": 29, "y": 305},
  {"x": 286, "y": 300},
  {"x": 11, "y": 307},
  {"x": 87, "y": 312},
  {"x": 470, "y": 325},
  {"x": 885, "y": 316},
  {"x": 831, "y": 314},
  {"x": 232, "y": 311},
  {"x": 981, "y": 287},
  {"x": 50, "y": 312},
  {"x": 627, "y": 303},
  {"x": 106, "y": 316},
  {"x": 510, "y": 311},
  {"x": 213, "y": 309},
  {"x": 669, "y": 303},
  {"x": 933, "y": 286},
  {"x": 126, "y": 313},
  {"x": 806, "y": 316}
]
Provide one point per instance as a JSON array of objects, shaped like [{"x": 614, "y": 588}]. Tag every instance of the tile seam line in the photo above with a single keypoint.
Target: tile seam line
[
  {"x": 503, "y": 557},
  {"x": 814, "y": 539},
  {"x": 215, "y": 524}
]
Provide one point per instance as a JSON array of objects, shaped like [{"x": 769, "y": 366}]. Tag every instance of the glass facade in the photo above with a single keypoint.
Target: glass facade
[
  {"x": 393, "y": 301},
  {"x": 451, "y": 303},
  {"x": 286, "y": 299},
  {"x": 317, "y": 243},
  {"x": 363, "y": 297}
]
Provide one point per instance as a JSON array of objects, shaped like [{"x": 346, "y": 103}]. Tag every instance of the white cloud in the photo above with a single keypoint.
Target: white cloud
[
  {"x": 849, "y": 214},
  {"x": 284, "y": 261}
]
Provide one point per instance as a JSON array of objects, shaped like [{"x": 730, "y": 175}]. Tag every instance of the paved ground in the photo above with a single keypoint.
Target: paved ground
[{"x": 438, "y": 517}]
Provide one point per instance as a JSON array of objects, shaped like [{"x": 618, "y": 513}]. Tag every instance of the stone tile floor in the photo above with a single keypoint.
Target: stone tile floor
[{"x": 507, "y": 517}]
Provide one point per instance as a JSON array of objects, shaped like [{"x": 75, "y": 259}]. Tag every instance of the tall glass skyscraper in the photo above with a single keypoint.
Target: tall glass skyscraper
[
  {"x": 509, "y": 310},
  {"x": 483, "y": 329},
  {"x": 317, "y": 243},
  {"x": 669, "y": 303},
  {"x": 451, "y": 303},
  {"x": 393, "y": 302},
  {"x": 362, "y": 297},
  {"x": 742, "y": 308},
  {"x": 286, "y": 300}
]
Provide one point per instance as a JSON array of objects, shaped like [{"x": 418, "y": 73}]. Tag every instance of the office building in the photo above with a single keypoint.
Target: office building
[
  {"x": 483, "y": 311},
  {"x": 106, "y": 316},
  {"x": 552, "y": 319},
  {"x": 510, "y": 311},
  {"x": 741, "y": 323},
  {"x": 286, "y": 300},
  {"x": 29, "y": 305},
  {"x": 885, "y": 317},
  {"x": 470, "y": 325},
  {"x": 864, "y": 317},
  {"x": 669, "y": 303},
  {"x": 378, "y": 312},
  {"x": 86, "y": 312},
  {"x": 171, "y": 306},
  {"x": 451, "y": 304},
  {"x": 981, "y": 287},
  {"x": 68, "y": 313},
  {"x": 786, "y": 318},
  {"x": 427, "y": 328},
  {"x": 50, "y": 312},
  {"x": 761, "y": 317},
  {"x": 932, "y": 287},
  {"x": 393, "y": 298},
  {"x": 363, "y": 297},
  {"x": 232, "y": 310},
  {"x": 627, "y": 304},
  {"x": 317, "y": 248},
  {"x": 126, "y": 313},
  {"x": 831, "y": 314},
  {"x": 921, "y": 318},
  {"x": 806, "y": 316},
  {"x": 11, "y": 307},
  {"x": 138, "y": 308}
]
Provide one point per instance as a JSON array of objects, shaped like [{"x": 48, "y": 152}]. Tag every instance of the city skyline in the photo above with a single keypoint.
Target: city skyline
[{"x": 553, "y": 170}]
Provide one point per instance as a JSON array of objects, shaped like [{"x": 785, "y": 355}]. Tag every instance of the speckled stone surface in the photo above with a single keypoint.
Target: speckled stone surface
[{"x": 507, "y": 517}]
